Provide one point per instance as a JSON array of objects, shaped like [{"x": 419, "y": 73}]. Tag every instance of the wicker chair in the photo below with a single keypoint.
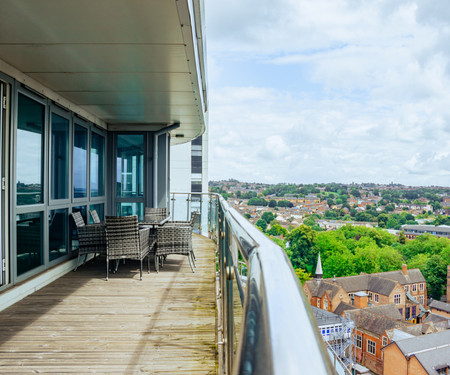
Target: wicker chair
[
  {"x": 189, "y": 223},
  {"x": 125, "y": 240},
  {"x": 91, "y": 238},
  {"x": 173, "y": 239},
  {"x": 95, "y": 217},
  {"x": 155, "y": 215}
]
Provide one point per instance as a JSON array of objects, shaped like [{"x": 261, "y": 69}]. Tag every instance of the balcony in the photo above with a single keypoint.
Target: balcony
[
  {"x": 82, "y": 324},
  {"x": 223, "y": 319}
]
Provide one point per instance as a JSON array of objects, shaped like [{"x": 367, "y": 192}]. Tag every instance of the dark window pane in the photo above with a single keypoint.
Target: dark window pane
[
  {"x": 30, "y": 149},
  {"x": 100, "y": 211},
  {"x": 59, "y": 157},
  {"x": 57, "y": 233},
  {"x": 80, "y": 162},
  {"x": 97, "y": 165},
  {"x": 130, "y": 208},
  {"x": 29, "y": 241},
  {"x": 130, "y": 166},
  {"x": 196, "y": 188}
]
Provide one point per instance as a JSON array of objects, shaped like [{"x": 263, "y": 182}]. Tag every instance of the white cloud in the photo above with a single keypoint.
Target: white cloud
[{"x": 372, "y": 98}]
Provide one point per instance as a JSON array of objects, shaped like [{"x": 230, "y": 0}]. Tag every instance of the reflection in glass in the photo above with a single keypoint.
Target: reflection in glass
[
  {"x": 130, "y": 208},
  {"x": 30, "y": 148},
  {"x": 130, "y": 166},
  {"x": 97, "y": 165},
  {"x": 73, "y": 227},
  {"x": 100, "y": 211},
  {"x": 29, "y": 241},
  {"x": 57, "y": 235},
  {"x": 79, "y": 162},
  {"x": 59, "y": 157}
]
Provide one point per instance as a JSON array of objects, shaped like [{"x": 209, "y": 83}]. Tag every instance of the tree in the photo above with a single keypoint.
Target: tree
[
  {"x": 276, "y": 230},
  {"x": 268, "y": 217},
  {"x": 329, "y": 214},
  {"x": 435, "y": 272},
  {"x": 363, "y": 216},
  {"x": 382, "y": 220},
  {"x": 272, "y": 203},
  {"x": 302, "y": 250},
  {"x": 247, "y": 215},
  {"x": 302, "y": 275},
  {"x": 262, "y": 224}
]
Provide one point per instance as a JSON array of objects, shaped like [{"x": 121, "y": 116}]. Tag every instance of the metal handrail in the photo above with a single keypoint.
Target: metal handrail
[{"x": 278, "y": 334}]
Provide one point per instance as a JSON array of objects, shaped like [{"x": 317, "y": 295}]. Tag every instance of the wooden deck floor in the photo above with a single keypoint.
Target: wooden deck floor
[{"x": 82, "y": 324}]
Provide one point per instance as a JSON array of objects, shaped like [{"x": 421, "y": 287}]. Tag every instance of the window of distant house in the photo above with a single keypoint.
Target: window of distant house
[
  {"x": 397, "y": 298},
  {"x": 325, "y": 304},
  {"x": 376, "y": 298},
  {"x": 359, "y": 341},
  {"x": 407, "y": 288},
  {"x": 385, "y": 341},
  {"x": 318, "y": 303},
  {"x": 421, "y": 286},
  {"x": 414, "y": 287},
  {"x": 370, "y": 296},
  {"x": 421, "y": 299},
  {"x": 371, "y": 346}
]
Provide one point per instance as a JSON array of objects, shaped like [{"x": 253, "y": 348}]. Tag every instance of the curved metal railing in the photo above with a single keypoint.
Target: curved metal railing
[{"x": 267, "y": 324}]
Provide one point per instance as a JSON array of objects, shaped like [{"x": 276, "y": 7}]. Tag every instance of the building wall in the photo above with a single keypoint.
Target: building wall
[
  {"x": 372, "y": 362},
  {"x": 415, "y": 367},
  {"x": 440, "y": 312},
  {"x": 394, "y": 362}
]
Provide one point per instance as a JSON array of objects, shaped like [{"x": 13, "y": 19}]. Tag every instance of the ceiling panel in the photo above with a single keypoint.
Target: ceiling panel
[{"x": 130, "y": 61}]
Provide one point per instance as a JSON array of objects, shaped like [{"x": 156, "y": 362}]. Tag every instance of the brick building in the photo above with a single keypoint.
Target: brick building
[{"x": 428, "y": 354}]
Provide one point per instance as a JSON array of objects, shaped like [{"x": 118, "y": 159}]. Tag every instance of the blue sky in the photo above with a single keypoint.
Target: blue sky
[{"x": 329, "y": 90}]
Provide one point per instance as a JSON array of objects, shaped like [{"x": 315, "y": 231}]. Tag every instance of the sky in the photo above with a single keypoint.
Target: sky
[{"x": 306, "y": 91}]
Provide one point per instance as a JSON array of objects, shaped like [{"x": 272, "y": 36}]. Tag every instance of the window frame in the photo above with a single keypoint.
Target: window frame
[
  {"x": 369, "y": 346},
  {"x": 397, "y": 297},
  {"x": 358, "y": 339},
  {"x": 414, "y": 288}
]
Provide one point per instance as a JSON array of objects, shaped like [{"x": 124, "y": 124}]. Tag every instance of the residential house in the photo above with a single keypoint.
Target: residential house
[
  {"x": 412, "y": 231},
  {"x": 428, "y": 354}
]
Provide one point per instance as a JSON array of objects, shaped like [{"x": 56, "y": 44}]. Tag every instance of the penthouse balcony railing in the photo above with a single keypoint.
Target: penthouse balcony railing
[{"x": 265, "y": 325}]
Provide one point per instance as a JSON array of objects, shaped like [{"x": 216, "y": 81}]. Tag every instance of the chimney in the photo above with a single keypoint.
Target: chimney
[
  {"x": 405, "y": 269},
  {"x": 360, "y": 300}
]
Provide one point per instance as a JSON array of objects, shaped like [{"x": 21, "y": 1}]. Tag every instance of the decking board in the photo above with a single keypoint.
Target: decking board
[{"x": 82, "y": 324}]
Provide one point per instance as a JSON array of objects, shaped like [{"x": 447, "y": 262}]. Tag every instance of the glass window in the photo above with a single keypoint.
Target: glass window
[
  {"x": 57, "y": 233},
  {"x": 30, "y": 150},
  {"x": 385, "y": 341},
  {"x": 100, "y": 211},
  {"x": 421, "y": 299},
  {"x": 359, "y": 341},
  {"x": 371, "y": 346},
  {"x": 407, "y": 288},
  {"x": 80, "y": 162},
  {"x": 397, "y": 298},
  {"x": 421, "y": 287},
  {"x": 59, "y": 158},
  {"x": 97, "y": 165},
  {"x": 130, "y": 166},
  {"x": 130, "y": 208},
  {"x": 414, "y": 287},
  {"x": 376, "y": 298},
  {"x": 29, "y": 241}
]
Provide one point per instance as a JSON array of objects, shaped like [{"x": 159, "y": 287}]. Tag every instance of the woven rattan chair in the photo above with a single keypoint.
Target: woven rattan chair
[
  {"x": 95, "y": 217},
  {"x": 124, "y": 240},
  {"x": 155, "y": 215},
  {"x": 173, "y": 239},
  {"x": 91, "y": 238},
  {"x": 189, "y": 223}
]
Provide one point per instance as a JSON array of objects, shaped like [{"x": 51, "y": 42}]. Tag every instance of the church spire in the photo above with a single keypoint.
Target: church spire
[{"x": 319, "y": 272}]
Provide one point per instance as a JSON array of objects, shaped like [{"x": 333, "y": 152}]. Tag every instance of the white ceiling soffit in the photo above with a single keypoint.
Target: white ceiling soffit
[{"x": 124, "y": 62}]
